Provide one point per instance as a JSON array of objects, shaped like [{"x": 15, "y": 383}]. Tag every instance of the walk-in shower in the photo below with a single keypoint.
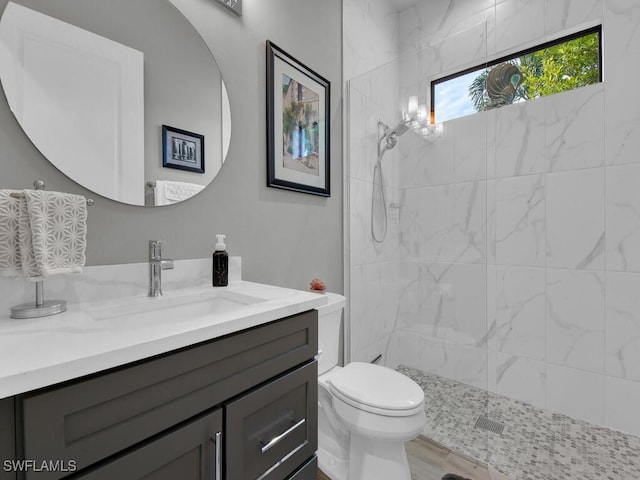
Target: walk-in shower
[
  {"x": 485, "y": 288},
  {"x": 418, "y": 274}
]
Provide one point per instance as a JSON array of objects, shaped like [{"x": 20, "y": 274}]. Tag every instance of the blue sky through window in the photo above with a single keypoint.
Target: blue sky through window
[{"x": 452, "y": 97}]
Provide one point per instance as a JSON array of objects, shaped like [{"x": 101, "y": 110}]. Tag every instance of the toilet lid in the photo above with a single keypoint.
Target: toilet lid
[{"x": 368, "y": 385}]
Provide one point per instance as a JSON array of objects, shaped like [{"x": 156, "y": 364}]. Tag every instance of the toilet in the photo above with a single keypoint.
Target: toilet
[{"x": 365, "y": 412}]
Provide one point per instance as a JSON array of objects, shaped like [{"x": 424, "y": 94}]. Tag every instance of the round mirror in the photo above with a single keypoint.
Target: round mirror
[{"x": 122, "y": 96}]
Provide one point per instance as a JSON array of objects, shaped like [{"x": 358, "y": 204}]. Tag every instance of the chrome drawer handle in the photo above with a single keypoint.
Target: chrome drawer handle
[
  {"x": 283, "y": 460},
  {"x": 218, "y": 467},
  {"x": 275, "y": 440}
]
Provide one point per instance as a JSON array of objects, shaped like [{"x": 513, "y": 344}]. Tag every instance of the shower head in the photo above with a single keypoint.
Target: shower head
[
  {"x": 389, "y": 136},
  {"x": 401, "y": 128}
]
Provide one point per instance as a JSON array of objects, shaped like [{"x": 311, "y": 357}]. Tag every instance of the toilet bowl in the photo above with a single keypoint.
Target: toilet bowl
[{"x": 365, "y": 412}]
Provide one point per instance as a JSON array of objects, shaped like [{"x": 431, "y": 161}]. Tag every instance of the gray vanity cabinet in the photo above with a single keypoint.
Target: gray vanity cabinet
[
  {"x": 273, "y": 429},
  {"x": 191, "y": 452},
  {"x": 163, "y": 415}
]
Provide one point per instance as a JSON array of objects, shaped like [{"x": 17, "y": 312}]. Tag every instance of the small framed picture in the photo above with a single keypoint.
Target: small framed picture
[
  {"x": 234, "y": 5},
  {"x": 182, "y": 150},
  {"x": 297, "y": 125}
]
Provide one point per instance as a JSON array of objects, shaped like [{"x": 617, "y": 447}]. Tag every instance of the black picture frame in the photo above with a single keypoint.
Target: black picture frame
[
  {"x": 298, "y": 107},
  {"x": 182, "y": 150}
]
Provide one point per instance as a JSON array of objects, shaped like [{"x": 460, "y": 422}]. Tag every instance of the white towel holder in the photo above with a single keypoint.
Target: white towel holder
[{"x": 41, "y": 307}]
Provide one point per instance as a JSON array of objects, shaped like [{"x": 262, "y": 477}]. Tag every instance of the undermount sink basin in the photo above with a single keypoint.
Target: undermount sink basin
[{"x": 175, "y": 308}]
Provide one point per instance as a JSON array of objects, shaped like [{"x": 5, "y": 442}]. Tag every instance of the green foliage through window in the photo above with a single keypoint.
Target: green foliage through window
[{"x": 560, "y": 66}]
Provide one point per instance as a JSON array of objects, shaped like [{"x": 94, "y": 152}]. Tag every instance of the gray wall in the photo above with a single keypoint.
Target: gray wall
[{"x": 285, "y": 238}]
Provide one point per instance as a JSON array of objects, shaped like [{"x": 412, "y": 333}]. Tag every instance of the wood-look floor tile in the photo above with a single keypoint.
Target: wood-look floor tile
[
  {"x": 322, "y": 476},
  {"x": 426, "y": 459},
  {"x": 466, "y": 468},
  {"x": 430, "y": 461}
]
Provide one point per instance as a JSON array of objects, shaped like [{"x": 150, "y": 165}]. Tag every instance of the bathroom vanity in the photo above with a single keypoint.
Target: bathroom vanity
[{"x": 227, "y": 395}]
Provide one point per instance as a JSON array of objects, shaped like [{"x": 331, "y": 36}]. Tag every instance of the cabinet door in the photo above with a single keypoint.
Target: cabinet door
[
  {"x": 191, "y": 452},
  {"x": 273, "y": 430},
  {"x": 7, "y": 439}
]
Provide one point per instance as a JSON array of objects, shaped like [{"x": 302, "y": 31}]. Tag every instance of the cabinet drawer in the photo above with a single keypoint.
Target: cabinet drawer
[
  {"x": 272, "y": 430},
  {"x": 91, "y": 419},
  {"x": 308, "y": 472},
  {"x": 188, "y": 453}
]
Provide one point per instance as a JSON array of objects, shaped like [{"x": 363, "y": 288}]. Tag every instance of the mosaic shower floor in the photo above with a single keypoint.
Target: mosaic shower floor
[{"x": 535, "y": 444}]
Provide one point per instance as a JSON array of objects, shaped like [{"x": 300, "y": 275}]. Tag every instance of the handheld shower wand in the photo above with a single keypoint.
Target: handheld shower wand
[
  {"x": 389, "y": 136},
  {"x": 387, "y": 140}
]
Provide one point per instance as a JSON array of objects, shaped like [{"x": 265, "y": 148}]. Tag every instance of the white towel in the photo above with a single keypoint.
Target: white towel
[
  {"x": 10, "y": 263},
  {"x": 52, "y": 232},
  {"x": 168, "y": 192}
]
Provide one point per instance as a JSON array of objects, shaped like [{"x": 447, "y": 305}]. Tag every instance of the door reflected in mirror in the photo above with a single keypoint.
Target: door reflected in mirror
[{"x": 93, "y": 85}]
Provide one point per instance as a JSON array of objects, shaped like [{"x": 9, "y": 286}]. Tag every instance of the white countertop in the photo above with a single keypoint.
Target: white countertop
[{"x": 42, "y": 352}]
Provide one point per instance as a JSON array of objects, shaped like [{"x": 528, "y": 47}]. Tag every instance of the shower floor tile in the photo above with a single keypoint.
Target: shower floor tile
[{"x": 536, "y": 444}]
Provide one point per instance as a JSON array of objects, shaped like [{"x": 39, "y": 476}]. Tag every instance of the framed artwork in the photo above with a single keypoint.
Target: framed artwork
[
  {"x": 297, "y": 125},
  {"x": 234, "y": 5},
  {"x": 182, "y": 150}
]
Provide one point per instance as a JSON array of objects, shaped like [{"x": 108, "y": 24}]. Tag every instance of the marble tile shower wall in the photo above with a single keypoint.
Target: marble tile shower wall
[
  {"x": 370, "y": 35},
  {"x": 373, "y": 266},
  {"x": 370, "y": 40},
  {"x": 519, "y": 232}
]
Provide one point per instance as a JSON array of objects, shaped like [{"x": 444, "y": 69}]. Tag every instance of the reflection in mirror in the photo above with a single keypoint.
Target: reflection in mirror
[{"x": 92, "y": 85}]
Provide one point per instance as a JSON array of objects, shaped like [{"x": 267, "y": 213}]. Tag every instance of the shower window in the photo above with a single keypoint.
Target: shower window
[{"x": 564, "y": 64}]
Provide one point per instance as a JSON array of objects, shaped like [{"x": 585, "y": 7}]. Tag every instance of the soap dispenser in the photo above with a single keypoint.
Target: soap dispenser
[{"x": 220, "y": 277}]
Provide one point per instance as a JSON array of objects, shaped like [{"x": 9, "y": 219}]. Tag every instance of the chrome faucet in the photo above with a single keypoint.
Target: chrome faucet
[{"x": 156, "y": 265}]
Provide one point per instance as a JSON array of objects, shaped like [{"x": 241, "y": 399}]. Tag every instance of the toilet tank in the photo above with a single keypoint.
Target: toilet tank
[{"x": 329, "y": 320}]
